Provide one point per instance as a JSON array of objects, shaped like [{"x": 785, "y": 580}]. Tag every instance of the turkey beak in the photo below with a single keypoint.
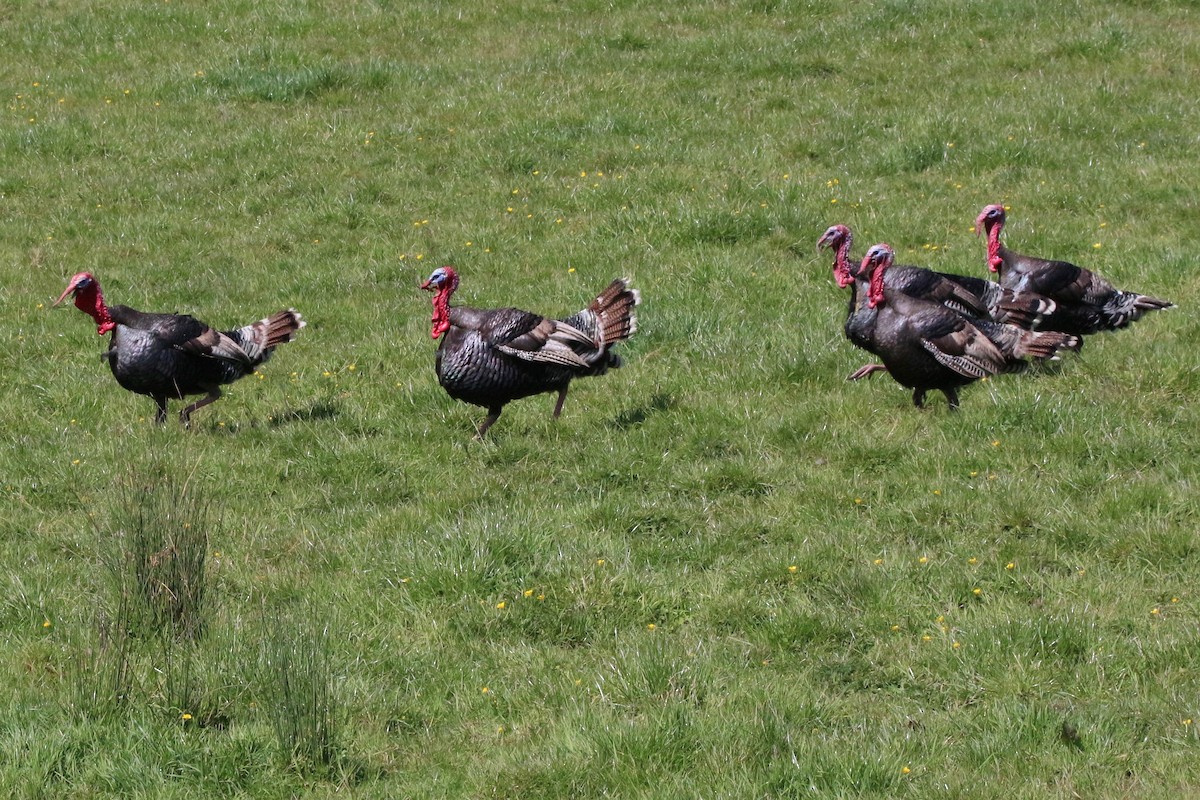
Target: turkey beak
[
  {"x": 427, "y": 286},
  {"x": 69, "y": 290},
  {"x": 981, "y": 224}
]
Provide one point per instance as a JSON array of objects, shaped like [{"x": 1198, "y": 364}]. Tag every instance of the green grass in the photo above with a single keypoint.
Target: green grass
[{"x": 725, "y": 571}]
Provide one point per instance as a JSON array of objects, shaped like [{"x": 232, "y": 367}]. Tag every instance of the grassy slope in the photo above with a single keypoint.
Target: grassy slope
[{"x": 807, "y": 550}]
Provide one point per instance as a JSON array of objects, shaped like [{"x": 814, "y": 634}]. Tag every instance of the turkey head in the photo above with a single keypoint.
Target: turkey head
[{"x": 442, "y": 283}]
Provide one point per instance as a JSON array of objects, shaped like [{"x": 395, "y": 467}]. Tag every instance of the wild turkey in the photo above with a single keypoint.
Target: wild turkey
[
  {"x": 859, "y": 318},
  {"x": 975, "y": 297},
  {"x": 1087, "y": 303},
  {"x": 490, "y": 357},
  {"x": 928, "y": 346},
  {"x": 170, "y": 356}
]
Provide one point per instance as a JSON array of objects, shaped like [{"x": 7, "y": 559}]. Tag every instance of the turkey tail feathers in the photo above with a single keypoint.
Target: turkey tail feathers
[
  {"x": 1126, "y": 307},
  {"x": 1046, "y": 344},
  {"x": 1146, "y": 303},
  {"x": 258, "y": 339},
  {"x": 1017, "y": 343},
  {"x": 615, "y": 310},
  {"x": 282, "y": 326},
  {"x": 1023, "y": 309}
]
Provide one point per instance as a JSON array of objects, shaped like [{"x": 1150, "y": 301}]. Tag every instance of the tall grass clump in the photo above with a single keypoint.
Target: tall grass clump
[
  {"x": 298, "y": 694},
  {"x": 103, "y": 669},
  {"x": 158, "y": 599},
  {"x": 160, "y": 567}
]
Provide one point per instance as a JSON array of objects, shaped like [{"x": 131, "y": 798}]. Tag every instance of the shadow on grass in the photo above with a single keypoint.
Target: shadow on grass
[
  {"x": 1044, "y": 368},
  {"x": 658, "y": 403},
  {"x": 316, "y": 410}
]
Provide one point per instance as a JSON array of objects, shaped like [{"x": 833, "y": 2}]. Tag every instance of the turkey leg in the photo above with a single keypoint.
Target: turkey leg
[
  {"x": 493, "y": 415},
  {"x": 865, "y": 370},
  {"x": 185, "y": 415},
  {"x": 160, "y": 416},
  {"x": 562, "y": 398}
]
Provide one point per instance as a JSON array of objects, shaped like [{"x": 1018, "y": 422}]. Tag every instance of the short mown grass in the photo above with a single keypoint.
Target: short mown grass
[{"x": 725, "y": 571}]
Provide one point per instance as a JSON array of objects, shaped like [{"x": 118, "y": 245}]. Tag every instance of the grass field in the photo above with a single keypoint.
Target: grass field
[{"x": 724, "y": 572}]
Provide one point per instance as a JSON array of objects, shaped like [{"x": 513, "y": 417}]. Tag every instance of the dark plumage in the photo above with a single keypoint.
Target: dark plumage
[
  {"x": 490, "y": 357},
  {"x": 1087, "y": 303},
  {"x": 170, "y": 356},
  {"x": 980, "y": 300},
  {"x": 975, "y": 297},
  {"x": 926, "y": 346}
]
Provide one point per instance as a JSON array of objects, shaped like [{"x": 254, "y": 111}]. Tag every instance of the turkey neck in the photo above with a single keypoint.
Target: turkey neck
[
  {"x": 91, "y": 301},
  {"x": 860, "y": 295}
]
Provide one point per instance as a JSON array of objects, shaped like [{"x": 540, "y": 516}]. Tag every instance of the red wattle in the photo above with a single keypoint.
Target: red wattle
[
  {"x": 993, "y": 250},
  {"x": 441, "y": 314},
  {"x": 841, "y": 272},
  {"x": 841, "y": 276},
  {"x": 875, "y": 291}
]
